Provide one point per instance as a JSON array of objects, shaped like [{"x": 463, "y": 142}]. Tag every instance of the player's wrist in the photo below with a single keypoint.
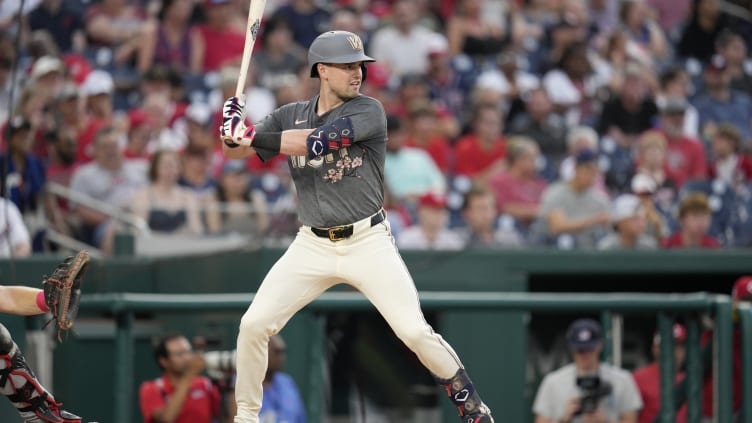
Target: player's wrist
[{"x": 42, "y": 302}]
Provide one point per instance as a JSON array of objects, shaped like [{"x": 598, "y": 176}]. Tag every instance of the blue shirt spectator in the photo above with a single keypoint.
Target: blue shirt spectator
[
  {"x": 305, "y": 19},
  {"x": 719, "y": 103},
  {"x": 282, "y": 402},
  {"x": 26, "y": 174}
]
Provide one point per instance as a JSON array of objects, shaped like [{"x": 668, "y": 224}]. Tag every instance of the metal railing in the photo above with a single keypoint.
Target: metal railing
[{"x": 125, "y": 305}]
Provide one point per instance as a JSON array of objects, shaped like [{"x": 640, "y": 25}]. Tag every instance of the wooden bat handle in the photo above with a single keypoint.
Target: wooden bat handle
[{"x": 255, "y": 13}]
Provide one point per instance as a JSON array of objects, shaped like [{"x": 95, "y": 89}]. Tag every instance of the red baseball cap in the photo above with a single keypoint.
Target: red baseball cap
[
  {"x": 433, "y": 199},
  {"x": 742, "y": 288},
  {"x": 679, "y": 331}
]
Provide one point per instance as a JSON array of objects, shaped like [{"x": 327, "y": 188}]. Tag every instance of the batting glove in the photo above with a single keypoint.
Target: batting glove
[{"x": 234, "y": 131}]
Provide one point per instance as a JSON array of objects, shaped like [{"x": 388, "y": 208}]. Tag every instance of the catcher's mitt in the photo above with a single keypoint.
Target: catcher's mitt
[{"x": 62, "y": 290}]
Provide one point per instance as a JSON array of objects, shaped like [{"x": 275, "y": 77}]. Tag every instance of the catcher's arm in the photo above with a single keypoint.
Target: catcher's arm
[{"x": 22, "y": 300}]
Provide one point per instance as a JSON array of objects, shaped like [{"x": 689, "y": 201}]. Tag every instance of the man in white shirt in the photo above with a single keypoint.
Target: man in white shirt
[
  {"x": 14, "y": 237},
  {"x": 587, "y": 390},
  {"x": 405, "y": 45}
]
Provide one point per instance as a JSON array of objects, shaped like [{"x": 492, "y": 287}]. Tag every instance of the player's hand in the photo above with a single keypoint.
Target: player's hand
[{"x": 234, "y": 131}]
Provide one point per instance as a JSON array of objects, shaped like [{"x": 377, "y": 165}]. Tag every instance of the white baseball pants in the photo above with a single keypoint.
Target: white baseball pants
[{"x": 368, "y": 261}]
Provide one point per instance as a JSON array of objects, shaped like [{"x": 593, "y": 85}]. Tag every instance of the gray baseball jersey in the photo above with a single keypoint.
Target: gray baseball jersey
[{"x": 346, "y": 185}]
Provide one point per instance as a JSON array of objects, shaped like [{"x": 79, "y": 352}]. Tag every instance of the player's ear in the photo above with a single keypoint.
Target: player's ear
[{"x": 321, "y": 68}]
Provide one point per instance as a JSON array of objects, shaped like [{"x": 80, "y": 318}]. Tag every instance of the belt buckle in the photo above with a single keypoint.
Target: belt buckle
[{"x": 335, "y": 233}]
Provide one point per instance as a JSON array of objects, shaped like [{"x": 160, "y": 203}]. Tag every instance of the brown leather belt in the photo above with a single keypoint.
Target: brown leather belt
[{"x": 338, "y": 233}]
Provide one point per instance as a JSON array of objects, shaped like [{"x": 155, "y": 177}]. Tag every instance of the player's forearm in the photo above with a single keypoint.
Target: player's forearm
[
  {"x": 294, "y": 142},
  {"x": 21, "y": 300}
]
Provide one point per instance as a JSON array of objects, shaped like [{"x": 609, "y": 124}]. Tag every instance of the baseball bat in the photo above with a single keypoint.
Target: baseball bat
[{"x": 255, "y": 13}]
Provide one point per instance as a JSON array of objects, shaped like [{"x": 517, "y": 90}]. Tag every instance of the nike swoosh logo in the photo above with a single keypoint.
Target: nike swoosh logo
[{"x": 298, "y": 122}]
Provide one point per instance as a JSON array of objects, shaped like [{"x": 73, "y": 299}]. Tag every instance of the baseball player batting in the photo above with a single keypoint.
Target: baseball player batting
[{"x": 336, "y": 144}]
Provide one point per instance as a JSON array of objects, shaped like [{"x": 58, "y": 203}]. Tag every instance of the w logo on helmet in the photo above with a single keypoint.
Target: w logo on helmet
[{"x": 355, "y": 42}]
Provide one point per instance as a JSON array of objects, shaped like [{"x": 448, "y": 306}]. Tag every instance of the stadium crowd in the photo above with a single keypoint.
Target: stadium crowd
[{"x": 512, "y": 123}]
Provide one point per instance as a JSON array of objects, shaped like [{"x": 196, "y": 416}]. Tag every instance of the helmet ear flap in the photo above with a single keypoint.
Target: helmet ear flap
[{"x": 364, "y": 70}]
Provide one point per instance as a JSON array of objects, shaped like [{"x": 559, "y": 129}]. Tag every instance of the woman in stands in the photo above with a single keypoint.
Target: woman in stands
[{"x": 166, "y": 206}]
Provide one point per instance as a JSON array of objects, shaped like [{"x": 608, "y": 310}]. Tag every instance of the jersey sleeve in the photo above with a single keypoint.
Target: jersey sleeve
[
  {"x": 368, "y": 119},
  {"x": 150, "y": 400},
  {"x": 274, "y": 122}
]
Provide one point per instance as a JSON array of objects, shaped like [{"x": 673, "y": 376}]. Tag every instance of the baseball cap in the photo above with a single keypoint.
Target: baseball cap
[
  {"x": 98, "y": 82},
  {"x": 68, "y": 91},
  {"x": 742, "y": 289},
  {"x": 643, "y": 184},
  {"x": 716, "y": 64},
  {"x": 433, "y": 199},
  {"x": 45, "y": 65},
  {"x": 18, "y": 124},
  {"x": 624, "y": 207},
  {"x": 678, "y": 330},
  {"x": 585, "y": 156},
  {"x": 584, "y": 335},
  {"x": 438, "y": 45}
]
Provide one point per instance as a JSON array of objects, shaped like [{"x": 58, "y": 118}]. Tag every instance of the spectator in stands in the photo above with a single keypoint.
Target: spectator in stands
[
  {"x": 60, "y": 170},
  {"x": 645, "y": 188},
  {"x": 518, "y": 188},
  {"x": 471, "y": 34},
  {"x": 98, "y": 89},
  {"x": 446, "y": 86},
  {"x": 695, "y": 217},
  {"x": 729, "y": 164},
  {"x": 180, "y": 394},
  {"x": 563, "y": 395},
  {"x": 167, "y": 207},
  {"x": 219, "y": 44},
  {"x": 635, "y": 20},
  {"x": 7, "y": 62},
  {"x": 25, "y": 176},
  {"x": 480, "y": 216},
  {"x": 481, "y": 152},
  {"x": 508, "y": 79},
  {"x": 700, "y": 32},
  {"x": 173, "y": 43},
  {"x": 70, "y": 116},
  {"x": 431, "y": 231},
  {"x": 64, "y": 23},
  {"x": 671, "y": 14},
  {"x": 629, "y": 220},
  {"x": 423, "y": 134},
  {"x": 414, "y": 91},
  {"x": 280, "y": 60},
  {"x": 675, "y": 82},
  {"x": 572, "y": 85},
  {"x": 409, "y": 172},
  {"x": 163, "y": 135},
  {"x": 122, "y": 26},
  {"x": 243, "y": 210},
  {"x": 140, "y": 131},
  {"x": 651, "y": 160},
  {"x": 576, "y": 208},
  {"x": 306, "y": 19},
  {"x": 631, "y": 112},
  {"x": 719, "y": 103},
  {"x": 685, "y": 158},
  {"x": 540, "y": 123},
  {"x": 47, "y": 75},
  {"x": 262, "y": 98},
  {"x": 733, "y": 49},
  {"x": 404, "y": 45},
  {"x": 109, "y": 179},
  {"x": 648, "y": 378},
  {"x": 15, "y": 240},
  {"x": 579, "y": 138}
]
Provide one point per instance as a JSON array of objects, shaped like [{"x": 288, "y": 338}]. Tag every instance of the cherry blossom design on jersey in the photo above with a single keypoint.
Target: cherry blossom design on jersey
[{"x": 346, "y": 166}]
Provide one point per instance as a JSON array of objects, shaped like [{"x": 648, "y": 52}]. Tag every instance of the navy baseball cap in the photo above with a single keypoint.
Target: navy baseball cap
[
  {"x": 586, "y": 156},
  {"x": 584, "y": 335}
]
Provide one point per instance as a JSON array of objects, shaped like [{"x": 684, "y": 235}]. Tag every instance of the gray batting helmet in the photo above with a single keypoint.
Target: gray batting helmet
[{"x": 336, "y": 47}]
